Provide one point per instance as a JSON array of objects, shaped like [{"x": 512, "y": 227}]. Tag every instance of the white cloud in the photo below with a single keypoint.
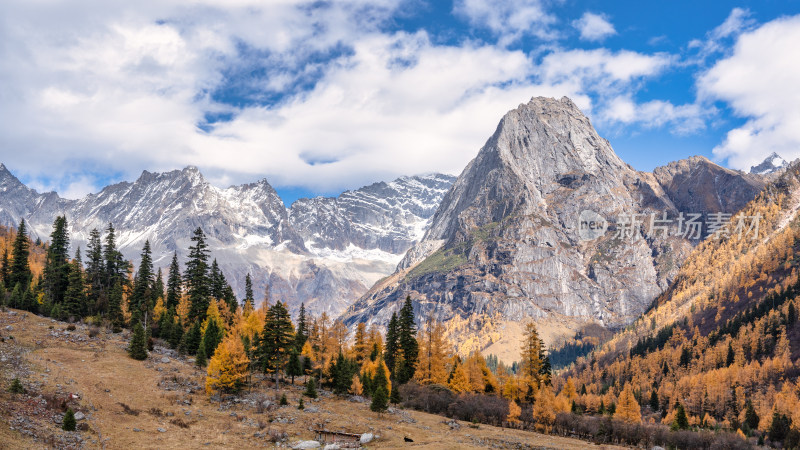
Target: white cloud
[
  {"x": 737, "y": 22},
  {"x": 684, "y": 119},
  {"x": 113, "y": 90},
  {"x": 594, "y": 27},
  {"x": 759, "y": 82},
  {"x": 509, "y": 20}
]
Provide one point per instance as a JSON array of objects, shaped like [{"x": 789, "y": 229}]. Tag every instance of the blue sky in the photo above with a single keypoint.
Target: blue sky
[{"x": 323, "y": 96}]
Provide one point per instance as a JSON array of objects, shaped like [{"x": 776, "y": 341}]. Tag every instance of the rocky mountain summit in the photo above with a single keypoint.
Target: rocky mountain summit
[
  {"x": 325, "y": 252},
  {"x": 773, "y": 163},
  {"x": 506, "y": 243}
]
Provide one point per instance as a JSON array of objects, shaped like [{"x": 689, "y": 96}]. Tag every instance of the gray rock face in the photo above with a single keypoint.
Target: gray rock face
[
  {"x": 696, "y": 185},
  {"x": 504, "y": 245},
  {"x": 353, "y": 240}
]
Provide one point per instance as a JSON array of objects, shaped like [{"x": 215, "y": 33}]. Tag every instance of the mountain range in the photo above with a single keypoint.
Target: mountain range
[
  {"x": 324, "y": 252},
  {"x": 501, "y": 243}
]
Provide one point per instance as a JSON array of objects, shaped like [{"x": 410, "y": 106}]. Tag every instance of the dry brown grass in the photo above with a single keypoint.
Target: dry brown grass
[{"x": 112, "y": 386}]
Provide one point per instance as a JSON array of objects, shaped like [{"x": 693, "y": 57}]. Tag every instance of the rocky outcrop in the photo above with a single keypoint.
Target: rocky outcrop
[
  {"x": 697, "y": 185},
  {"x": 506, "y": 244}
]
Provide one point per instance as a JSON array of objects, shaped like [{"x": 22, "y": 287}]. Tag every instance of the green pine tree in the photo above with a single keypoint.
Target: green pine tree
[
  {"x": 75, "y": 295},
  {"x": 283, "y": 401},
  {"x": 16, "y": 387},
  {"x": 294, "y": 368},
  {"x": 407, "y": 342},
  {"x": 57, "y": 266},
  {"x": 137, "y": 349},
  {"x": 302, "y": 328},
  {"x": 277, "y": 340},
  {"x": 681, "y": 422},
  {"x": 249, "y": 300},
  {"x": 311, "y": 388},
  {"x": 96, "y": 298},
  {"x": 379, "y": 400},
  {"x": 196, "y": 277},
  {"x": 211, "y": 339},
  {"x": 392, "y": 343},
  {"x": 68, "y": 423},
  {"x": 142, "y": 294},
  {"x": 174, "y": 289},
  {"x": 191, "y": 339},
  {"x": 20, "y": 271},
  {"x": 200, "y": 360},
  {"x": 115, "y": 307}
]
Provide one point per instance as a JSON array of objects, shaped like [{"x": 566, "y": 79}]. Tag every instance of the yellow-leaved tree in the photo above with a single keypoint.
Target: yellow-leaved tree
[
  {"x": 459, "y": 382},
  {"x": 627, "y": 406},
  {"x": 228, "y": 368},
  {"x": 432, "y": 365},
  {"x": 544, "y": 411},
  {"x": 513, "y": 413}
]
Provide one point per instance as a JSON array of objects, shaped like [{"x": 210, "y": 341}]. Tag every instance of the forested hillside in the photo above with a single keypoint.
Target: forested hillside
[{"x": 719, "y": 349}]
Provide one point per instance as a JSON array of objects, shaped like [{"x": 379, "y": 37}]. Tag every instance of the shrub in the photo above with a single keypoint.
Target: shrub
[
  {"x": 283, "y": 401},
  {"x": 71, "y": 327},
  {"x": 481, "y": 408},
  {"x": 433, "y": 399},
  {"x": 69, "y": 421},
  {"x": 311, "y": 388},
  {"x": 300, "y": 405},
  {"x": 16, "y": 387}
]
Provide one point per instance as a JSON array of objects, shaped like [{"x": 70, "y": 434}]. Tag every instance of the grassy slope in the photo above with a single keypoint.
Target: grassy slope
[{"x": 91, "y": 367}]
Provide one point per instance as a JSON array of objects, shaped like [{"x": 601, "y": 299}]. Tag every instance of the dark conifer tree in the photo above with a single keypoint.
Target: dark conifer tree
[
  {"x": 392, "y": 345},
  {"x": 191, "y": 339},
  {"x": 211, "y": 338},
  {"x": 68, "y": 423},
  {"x": 294, "y": 368},
  {"x": 311, "y": 388},
  {"x": 142, "y": 286},
  {"x": 302, "y": 328},
  {"x": 20, "y": 271},
  {"x": 115, "y": 307},
  {"x": 97, "y": 291},
  {"x": 75, "y": 296},
  {"x": 116, "y": 267},
  {"x": 407, "y": 342},
  {"x": 5, "y": 270},
  {"x": 249, "y": 300},
  {"x": 196, "y": 277},
  {"x": 158, "y": 289},
  {"x": 218, "y": 281},
  {"x": 137, "y": 349},
  {"x": 57, "y": 265},
  {"x": 277, "y": 340},
  {"x": 174, "y": 290}
]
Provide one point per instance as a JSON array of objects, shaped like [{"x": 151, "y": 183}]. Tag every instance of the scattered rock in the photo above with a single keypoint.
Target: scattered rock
[
  {"x": 332, "y": 447},
  {"x": 452, "y": 424},
  {"x": 357, "y": 399},
  {"x": 366, "y": 438},
  {"x": 79, "y": 416},
  {"x": 162, "y": 430},
  {"x": 165, "y": 360},
  {"x": 9, "y": 328},
  {"x": 136, "y": 430},
  {"x": 307, "y": 444}
]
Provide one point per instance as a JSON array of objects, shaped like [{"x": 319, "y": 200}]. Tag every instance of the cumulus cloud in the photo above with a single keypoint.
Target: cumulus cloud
[
  {"x": 759, "y": 82},
  {"x": 684, "y": 119},
  {"x": 324, "y": 98},
  {"x": 594, "y": 27},
  {"x": 509, "y": 20}
]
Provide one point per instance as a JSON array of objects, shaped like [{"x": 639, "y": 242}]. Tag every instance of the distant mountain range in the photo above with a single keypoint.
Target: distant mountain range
[
  {"x": 482, "y": 253},
  {"x": 325, "y": 252}
]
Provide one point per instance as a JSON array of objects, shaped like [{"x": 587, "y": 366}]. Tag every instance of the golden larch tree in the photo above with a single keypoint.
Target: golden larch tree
[
  {"x": 432, "y": 365},
  {"x": 228, "y": 368},
  {"x": 627, "y": 406}
]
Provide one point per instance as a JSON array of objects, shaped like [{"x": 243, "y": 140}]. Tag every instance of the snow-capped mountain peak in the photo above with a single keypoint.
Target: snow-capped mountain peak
[{"x": 771, "y": 164}]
